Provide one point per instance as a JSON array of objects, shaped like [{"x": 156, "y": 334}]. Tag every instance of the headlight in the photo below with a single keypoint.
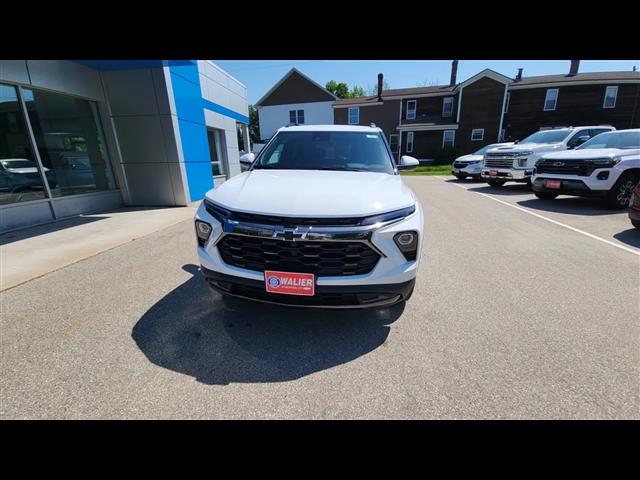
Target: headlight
[
  {"x": 385, "y": 217},
  {"x": 523, "y": 154},
  {"x": 203, "y": 230},
  {"x": 474, "y": 162},
  {"x": 605, "y": 162},
  {"x": 407, "y": 242}
]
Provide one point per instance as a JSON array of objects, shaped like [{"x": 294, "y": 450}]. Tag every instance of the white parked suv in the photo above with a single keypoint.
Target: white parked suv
[
  {"x": 515, "y": 163},
  {"x": 471, "y": 165},
  {"x": 321, "y": 219},
  {"x": 607, "y": 166}
]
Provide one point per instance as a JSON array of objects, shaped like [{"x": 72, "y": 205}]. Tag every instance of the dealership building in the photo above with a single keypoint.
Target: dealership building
[{"x": 86, "y": 135}]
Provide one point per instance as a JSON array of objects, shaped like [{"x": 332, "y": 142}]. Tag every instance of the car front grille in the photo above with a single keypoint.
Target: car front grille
[
  {"x": 322, "y": 258},
  {"x": 460, "y": 164},
  {"x": 499, "y": 160},
  {"x": 565, "y": 167}
]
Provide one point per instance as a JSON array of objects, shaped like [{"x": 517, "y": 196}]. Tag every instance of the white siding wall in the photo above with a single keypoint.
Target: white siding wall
[
  {"x": 219, "y": 87},
  {"x": 272, "y": 117}
]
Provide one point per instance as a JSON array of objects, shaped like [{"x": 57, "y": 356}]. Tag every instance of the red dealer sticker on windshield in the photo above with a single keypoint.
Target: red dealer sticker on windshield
[{"x": 289, "y": 283}]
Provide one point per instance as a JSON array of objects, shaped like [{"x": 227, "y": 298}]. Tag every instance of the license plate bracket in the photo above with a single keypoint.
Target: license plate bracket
[{"x": 552, "y": 184}]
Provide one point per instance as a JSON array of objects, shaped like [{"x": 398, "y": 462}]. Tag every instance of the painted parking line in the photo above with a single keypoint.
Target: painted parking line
[{"x": 569, "y": 227}]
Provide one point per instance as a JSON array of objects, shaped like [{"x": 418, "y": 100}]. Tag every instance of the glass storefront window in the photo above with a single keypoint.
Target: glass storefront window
[
  {"x": 20, "y": 178},
  {"x": 70, "y": 141},
  {"x": 217, "y": 151}
]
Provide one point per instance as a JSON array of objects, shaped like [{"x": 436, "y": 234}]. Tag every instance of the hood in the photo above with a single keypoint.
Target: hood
[
  {"x": 469, "y": 158},
  {"x": 524, "y": 147},
  {"x": 592, "y": 153},
  {"x": 313, "y": 193}
]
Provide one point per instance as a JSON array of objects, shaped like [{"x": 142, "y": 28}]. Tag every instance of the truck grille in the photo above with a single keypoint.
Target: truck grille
[
  {"x": 565, "y": 167},
  {"x": 502, "y": 160},
  {"x": 322, "y": 258}
]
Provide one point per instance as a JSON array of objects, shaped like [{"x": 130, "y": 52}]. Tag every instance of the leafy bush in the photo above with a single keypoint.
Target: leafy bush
[{"x": 446, "y": 156}]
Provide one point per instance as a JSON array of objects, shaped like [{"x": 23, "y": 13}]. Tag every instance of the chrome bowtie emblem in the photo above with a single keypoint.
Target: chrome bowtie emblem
[
  {"x": 290, "y": 234},
  {"x": 558, "y": 164}
]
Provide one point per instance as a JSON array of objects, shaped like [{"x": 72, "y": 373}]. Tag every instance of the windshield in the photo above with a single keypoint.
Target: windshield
[
  {"x": 484, "y": 149},
  {"x": 547, "y": 136},
  {"x": 18, "y": 163},
  {"x": 350, "y": 151},
  {"x": 613, "y": 140}
]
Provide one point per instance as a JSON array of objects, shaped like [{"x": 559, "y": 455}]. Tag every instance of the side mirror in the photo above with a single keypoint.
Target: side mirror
[
  {"x": 247, "y": 159},
  {"x": 408, "y": 163},
  {"x": 580, "y": 140},
  {"x": 516, "y": 141}
]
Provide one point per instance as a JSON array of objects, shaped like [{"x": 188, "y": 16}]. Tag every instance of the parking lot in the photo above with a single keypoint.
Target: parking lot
[{"x": 523, "y": 308}]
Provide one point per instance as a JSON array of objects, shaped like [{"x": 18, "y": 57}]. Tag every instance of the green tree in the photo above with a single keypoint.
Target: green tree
[
  {"x": 356, "y": 92},
  {"x": 254, "y": 125},
  {"x": 340, "y": 90}
]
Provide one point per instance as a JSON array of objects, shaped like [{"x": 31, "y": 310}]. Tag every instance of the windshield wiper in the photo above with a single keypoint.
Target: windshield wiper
[{"x": 344, "y": 169}]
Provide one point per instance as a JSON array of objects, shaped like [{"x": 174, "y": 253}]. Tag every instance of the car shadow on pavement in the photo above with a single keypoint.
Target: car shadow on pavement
[
  {"x": 508, "y": 189},
  {"x": 630, "y": 237},
  {"x": 218, "y": 340},
  {"x": 570, "y": 205}
]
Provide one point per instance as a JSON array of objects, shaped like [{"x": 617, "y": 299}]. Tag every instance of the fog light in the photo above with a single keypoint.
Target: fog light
[
  {"x": 203, "y": 230},
  {"x": 603, "y": 175},
  {"x": 407, "y": 242}
]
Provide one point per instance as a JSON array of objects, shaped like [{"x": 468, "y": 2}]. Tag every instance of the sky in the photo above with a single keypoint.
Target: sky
[{"x": 260, "y": 75}]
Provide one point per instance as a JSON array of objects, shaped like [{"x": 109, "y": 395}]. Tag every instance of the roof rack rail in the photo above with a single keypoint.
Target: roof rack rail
[{"x": 372, "y": 125}]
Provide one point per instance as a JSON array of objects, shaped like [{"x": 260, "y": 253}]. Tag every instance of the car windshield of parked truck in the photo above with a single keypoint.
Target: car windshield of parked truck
[
  {"x": 346, "y": 151},
  {"x": 613, "y": 140},
  {"x": 547, "y": 136}
]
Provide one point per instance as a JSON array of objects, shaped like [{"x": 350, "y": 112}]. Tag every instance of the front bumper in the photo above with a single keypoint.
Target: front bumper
[
  {"x": 512, "y": 174},
  {"x": 567, "y": 187},
  {"x": 472, "y": 170},
  {"x": 391, "y": 268},
  {"x": 326, "y": 296}
]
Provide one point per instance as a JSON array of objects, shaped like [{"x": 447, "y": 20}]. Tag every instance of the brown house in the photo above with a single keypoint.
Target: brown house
[{"x": 490, "y": 107}]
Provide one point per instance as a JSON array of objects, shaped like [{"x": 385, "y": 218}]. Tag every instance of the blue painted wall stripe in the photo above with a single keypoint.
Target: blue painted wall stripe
[{"x": 225, "y": 111}]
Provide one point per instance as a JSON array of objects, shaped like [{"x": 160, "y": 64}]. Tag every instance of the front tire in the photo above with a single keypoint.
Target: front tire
[
  {"x": 545, "y": 195},
  {"x": 460, "y": 177},
  {"x": 619, "y": 196},
  {"x": 496, "y": 183},
  {"x": 636, "y": 223}
]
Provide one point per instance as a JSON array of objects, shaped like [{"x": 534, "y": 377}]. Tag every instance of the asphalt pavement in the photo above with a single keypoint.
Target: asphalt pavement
[{"x": 522, "y": 309}]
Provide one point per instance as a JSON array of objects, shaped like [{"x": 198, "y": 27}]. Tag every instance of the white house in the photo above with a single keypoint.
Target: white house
[{"x": 295, "y": 99}]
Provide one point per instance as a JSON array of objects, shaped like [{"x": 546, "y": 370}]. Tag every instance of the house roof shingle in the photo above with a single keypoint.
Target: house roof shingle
[{"x": 529, "y": 81}]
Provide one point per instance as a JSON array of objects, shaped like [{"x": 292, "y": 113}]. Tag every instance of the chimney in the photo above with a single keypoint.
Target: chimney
[
  {"x": 380, "y": 87},
  {"x": 454, "y": 72},
  {"x": 519, "y": 76},
  {"x": 573, "y": 71}
]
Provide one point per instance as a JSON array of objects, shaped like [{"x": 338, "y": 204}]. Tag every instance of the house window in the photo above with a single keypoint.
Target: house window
[
  {"x": 409, "y": 142},
  {"x": 506, "y": 102},
  {"x": 448, "y": 138},
  {"x": 551, "y": 99},
  {"x": 411, "y": 110},
  {"x": 393, "y": 143},
  {"x": 477, "y": 134},
  {"x": 610, "y": 96},
  {"x": 447, "y": 106},
  {"x": 354, "y": 115},
  {"x": 296, "y": 117}
]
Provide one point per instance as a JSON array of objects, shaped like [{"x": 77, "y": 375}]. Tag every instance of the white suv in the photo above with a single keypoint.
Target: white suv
[
  {"x": 515, "y": 163},
  {"x": 321, "y": 219},
  {"x": 607, "y": 166}
]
